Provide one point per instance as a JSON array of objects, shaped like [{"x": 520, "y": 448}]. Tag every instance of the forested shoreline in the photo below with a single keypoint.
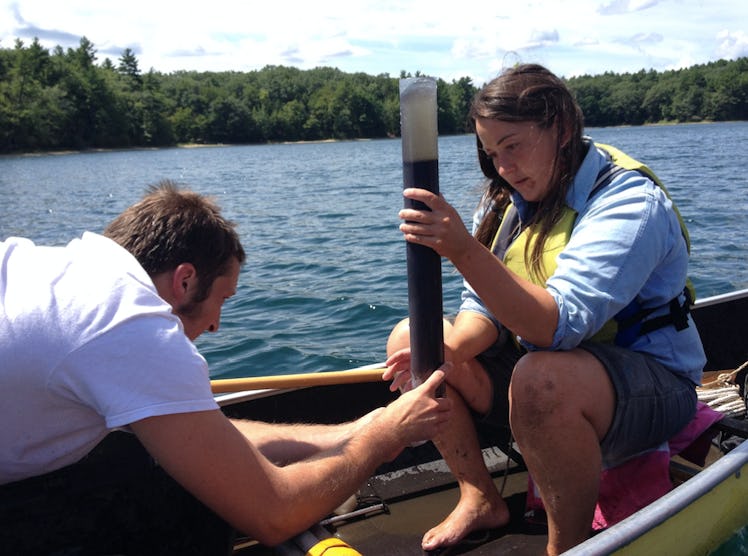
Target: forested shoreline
[{"x": 65, "y": 99}]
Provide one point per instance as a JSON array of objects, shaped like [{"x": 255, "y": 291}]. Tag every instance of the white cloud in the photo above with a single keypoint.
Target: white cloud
[
  {"x": 387, "y": 36},
  {"x": 626, "y": 6},
  {"x": 732, "y": 44}
]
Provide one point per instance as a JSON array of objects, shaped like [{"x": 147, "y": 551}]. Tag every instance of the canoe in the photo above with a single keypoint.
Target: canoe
[{"x": 405, "y": 498}]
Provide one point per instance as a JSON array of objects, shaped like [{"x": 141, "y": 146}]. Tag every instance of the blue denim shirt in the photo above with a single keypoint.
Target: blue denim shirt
[{"x": 626, "y": 244}]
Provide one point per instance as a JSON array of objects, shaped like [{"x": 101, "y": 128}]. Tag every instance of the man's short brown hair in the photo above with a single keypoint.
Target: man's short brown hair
[{"x": 170, "y": 226}]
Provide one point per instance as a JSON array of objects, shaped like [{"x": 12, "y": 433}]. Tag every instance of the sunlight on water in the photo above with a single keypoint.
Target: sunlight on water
[{"x": 326, "y": 278}]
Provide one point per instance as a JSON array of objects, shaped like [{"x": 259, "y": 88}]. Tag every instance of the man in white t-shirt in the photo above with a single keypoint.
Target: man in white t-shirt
[{"x": 96, "y": 336}]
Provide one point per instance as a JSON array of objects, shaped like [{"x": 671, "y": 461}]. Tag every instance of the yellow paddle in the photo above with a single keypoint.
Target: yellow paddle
[{"x": 363, "y": 374}]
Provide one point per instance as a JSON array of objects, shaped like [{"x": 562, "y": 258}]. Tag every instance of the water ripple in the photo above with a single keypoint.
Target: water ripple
[{"x": 325, "y": 279}]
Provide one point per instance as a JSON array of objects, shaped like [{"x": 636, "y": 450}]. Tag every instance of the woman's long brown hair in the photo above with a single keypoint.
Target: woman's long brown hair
[{"x": 530, "y": 93}]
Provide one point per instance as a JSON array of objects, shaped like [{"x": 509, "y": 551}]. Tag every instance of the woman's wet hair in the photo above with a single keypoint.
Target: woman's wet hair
[{"x": 530, "y": 93}]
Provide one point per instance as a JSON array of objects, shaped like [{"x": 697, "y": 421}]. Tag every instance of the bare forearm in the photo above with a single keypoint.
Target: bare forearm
[
  {"x": 211, "y": 458},
  {"x": 284, "y": 443},
  {"x": 321, "y": 484},
  {"x": 331, "y": 476},
  {"x": 524, "y": 308},
  {"x": 471, "y": 334},
  {"x": 215, "y": 460}
]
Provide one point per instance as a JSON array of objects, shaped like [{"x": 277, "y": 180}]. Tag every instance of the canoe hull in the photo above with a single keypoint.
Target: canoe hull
[{"x": 694, "y": 518}]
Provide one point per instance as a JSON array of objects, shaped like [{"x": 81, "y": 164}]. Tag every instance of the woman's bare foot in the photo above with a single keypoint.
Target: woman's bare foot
[{"x": 468, "y": 516}]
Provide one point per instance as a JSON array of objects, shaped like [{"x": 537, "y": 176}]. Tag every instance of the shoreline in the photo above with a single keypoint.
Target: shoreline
[{"x": 93, "y": 150}]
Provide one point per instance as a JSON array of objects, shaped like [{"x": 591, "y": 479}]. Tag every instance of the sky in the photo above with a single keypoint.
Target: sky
[{"x": 440, "y": 38}]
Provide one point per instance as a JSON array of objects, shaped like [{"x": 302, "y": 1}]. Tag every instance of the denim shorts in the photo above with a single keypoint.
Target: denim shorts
[
  {"x": 498, "y": 361},
  {"x": 652, "y": 403}
]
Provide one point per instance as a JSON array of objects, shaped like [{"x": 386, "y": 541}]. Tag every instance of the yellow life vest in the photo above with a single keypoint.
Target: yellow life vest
[{"x": 514, "y": 250}]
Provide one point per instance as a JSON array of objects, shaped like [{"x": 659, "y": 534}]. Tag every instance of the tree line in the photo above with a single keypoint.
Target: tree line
[{"x": 64, "y": 99}]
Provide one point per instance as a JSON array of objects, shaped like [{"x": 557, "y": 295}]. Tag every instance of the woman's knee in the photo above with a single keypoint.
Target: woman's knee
[
  {"x": 554, "y": 384},
  {"x": 399, "y": 337},
  {"x": 536, "y": 383},
  {"x": 532, "y": 368}
]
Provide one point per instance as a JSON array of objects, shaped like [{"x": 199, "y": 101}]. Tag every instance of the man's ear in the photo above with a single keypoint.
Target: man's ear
[{"x": 183, "y": 281}]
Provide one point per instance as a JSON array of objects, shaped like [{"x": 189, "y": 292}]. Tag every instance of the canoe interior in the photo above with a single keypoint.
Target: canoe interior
[{"x": 412, "y": 494}]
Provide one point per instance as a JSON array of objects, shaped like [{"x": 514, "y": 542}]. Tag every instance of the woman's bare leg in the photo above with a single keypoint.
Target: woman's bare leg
[
  {"x": 480, "y": 505},
  {"x": 561, "y": 406}
]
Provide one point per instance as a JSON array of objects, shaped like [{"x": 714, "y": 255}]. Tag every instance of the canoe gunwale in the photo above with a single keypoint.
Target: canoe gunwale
[{"x": 721, "y": 298}]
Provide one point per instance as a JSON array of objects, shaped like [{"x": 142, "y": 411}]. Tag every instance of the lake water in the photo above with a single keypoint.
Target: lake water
[{"x": 326, "y": 278}]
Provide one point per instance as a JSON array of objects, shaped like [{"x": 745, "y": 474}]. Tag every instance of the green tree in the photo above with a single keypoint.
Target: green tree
[
  {"x": 128, "y": 67},
  {"x": 157, "y": 129},
  {"x": 64, "y": 99},
  {"x": 688, "y": 100},
  {"x": 657, "y": 101},
  {"x": 460, "y": 94}
]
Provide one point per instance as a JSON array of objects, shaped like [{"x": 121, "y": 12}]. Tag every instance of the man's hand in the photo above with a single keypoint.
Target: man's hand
[{"x": 418, "y": 414}]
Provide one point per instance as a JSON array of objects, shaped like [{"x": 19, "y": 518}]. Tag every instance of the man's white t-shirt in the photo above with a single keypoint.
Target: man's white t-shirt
[{"x": 86, "y": 346}]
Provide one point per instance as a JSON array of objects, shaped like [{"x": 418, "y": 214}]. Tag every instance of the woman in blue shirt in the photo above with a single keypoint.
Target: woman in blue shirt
[{"x": 574, "y": 326}]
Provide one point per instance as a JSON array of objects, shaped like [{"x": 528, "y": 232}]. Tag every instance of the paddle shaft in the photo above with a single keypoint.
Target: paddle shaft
[{"x": 222, "y": 386}]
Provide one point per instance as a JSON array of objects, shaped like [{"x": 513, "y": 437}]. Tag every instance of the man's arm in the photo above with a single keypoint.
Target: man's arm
[
  {"x": 211, "y": 458},
  {"x": 284, "y": 443}
]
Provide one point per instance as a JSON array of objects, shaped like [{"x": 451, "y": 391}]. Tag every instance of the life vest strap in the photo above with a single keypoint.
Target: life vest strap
[
  {"x": 678, "y": 315},
  {"x": 631, "y": 326}
]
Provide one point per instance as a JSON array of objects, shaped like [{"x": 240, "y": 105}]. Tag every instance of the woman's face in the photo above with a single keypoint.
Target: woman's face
[{"x": 522, "y": 153}]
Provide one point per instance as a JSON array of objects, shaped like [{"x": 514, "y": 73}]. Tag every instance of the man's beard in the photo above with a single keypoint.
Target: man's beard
[{"x": 189, "y": 309}]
